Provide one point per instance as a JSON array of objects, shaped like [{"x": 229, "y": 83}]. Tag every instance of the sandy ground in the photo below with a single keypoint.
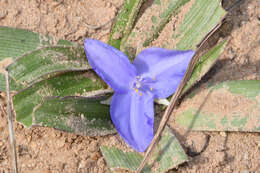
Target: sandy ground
[{"x": 49, "y": 151}]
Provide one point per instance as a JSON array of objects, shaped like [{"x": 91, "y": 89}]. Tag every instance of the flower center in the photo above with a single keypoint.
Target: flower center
[
  {"x": 138, "y": 84},
  {"x": 143, "y": 84}
]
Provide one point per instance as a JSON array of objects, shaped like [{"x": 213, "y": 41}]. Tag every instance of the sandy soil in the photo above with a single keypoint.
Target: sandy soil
[{"x": 47, "y": 150}]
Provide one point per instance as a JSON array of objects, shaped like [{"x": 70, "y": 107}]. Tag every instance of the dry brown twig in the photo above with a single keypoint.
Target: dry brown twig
[{"x": 10, "y": 126}]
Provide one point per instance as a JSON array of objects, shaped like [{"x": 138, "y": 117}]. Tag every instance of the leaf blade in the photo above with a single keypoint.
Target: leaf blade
[
  {"x": 227, "y": 106},
  {"x": 15, "y": 42},
  {"x": 80, "y": 115},
  {"x": 168, "y": 154},
  {"x": 193, "y": 20},
  {"x": 204, "y": 64},
  {"x": 38, "y": 64},
  {"x": 124, "y": 22},
  {"x": 75, "y": 83}
]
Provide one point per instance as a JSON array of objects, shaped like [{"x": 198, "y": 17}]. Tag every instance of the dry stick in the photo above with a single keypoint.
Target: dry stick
[
  {"x": 174, "y": 99},
  {"x": 10, "y": 126}
]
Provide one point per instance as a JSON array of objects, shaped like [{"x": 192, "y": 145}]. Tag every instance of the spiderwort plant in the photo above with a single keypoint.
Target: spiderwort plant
[{"x": 155, "y": 73}]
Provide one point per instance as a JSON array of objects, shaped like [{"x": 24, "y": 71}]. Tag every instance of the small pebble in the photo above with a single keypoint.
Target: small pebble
[
  {"x": 224, "y": 134},
  {"x": 243, "y": 22},
  {"x": 93, "y": 146}
]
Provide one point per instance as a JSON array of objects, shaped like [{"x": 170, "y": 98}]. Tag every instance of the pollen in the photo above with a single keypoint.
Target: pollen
[
  {"x": 136, "y": 90},
  {"x": 140, "y": 94},
  {"x": 151, "y": 88},
  {"x": 153, "y": 78}
]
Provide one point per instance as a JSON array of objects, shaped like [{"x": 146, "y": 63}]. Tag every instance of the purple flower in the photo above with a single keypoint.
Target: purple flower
[{"x": 155, "y": 73}]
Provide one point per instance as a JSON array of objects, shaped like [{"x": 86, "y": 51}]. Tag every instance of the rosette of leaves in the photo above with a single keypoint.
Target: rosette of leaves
[
  {"x": 52, "y": 83},
  {"x": 54, "y": 86}
]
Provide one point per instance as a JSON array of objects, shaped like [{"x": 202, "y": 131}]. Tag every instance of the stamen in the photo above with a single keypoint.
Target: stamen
[
  {"x": 141, "y": 84},
  {"x": 138, "y": 85}
]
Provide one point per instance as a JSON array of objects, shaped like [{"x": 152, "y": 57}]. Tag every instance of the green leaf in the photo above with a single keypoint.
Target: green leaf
[
  {"x": 119, "y": 159},
  {"x": 154, "y": 20},
  {"x": 248, "y": 88},
  {"x": 16, "y": 42},
  {"x": 204, "y": 64},
  {"x": 67, "y": 84},
  {"x": 13, "y": 85},
  {"x": 194, "y": 19},
  {"x": 167, "y": 155},
  {"x": 227, "y": 106},
  {"x": 124, "y": 22},
  {"x": 198, "y": 22},
  {"x": 38, "y": 64},
  {"x": 2, "y": 82},
  {"x": 80, "y": 115},
  {"x": 38, "y": 73}
]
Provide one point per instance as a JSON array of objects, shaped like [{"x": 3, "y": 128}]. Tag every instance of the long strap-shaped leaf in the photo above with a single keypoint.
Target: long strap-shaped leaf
[
  {"x": 81, "y": 115},
  {"x": 204, "y": 64},
  {"x": 227, "y": 106},
  {"x": 193, "y": 21},
  {"x": 37, "y": 64},
  {"x": 15, "y": 43},
  {"x": 168, "y": 154},
  {"x": 124, "y": 22},
  {"x": 46, "y": 103}
]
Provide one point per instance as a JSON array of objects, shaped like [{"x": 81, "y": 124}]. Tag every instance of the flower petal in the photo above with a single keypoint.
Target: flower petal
[
  {"x": 133, "y": 117},
  {"x": 167, "y": 67},
  {"x": 110, "y": 64}
]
